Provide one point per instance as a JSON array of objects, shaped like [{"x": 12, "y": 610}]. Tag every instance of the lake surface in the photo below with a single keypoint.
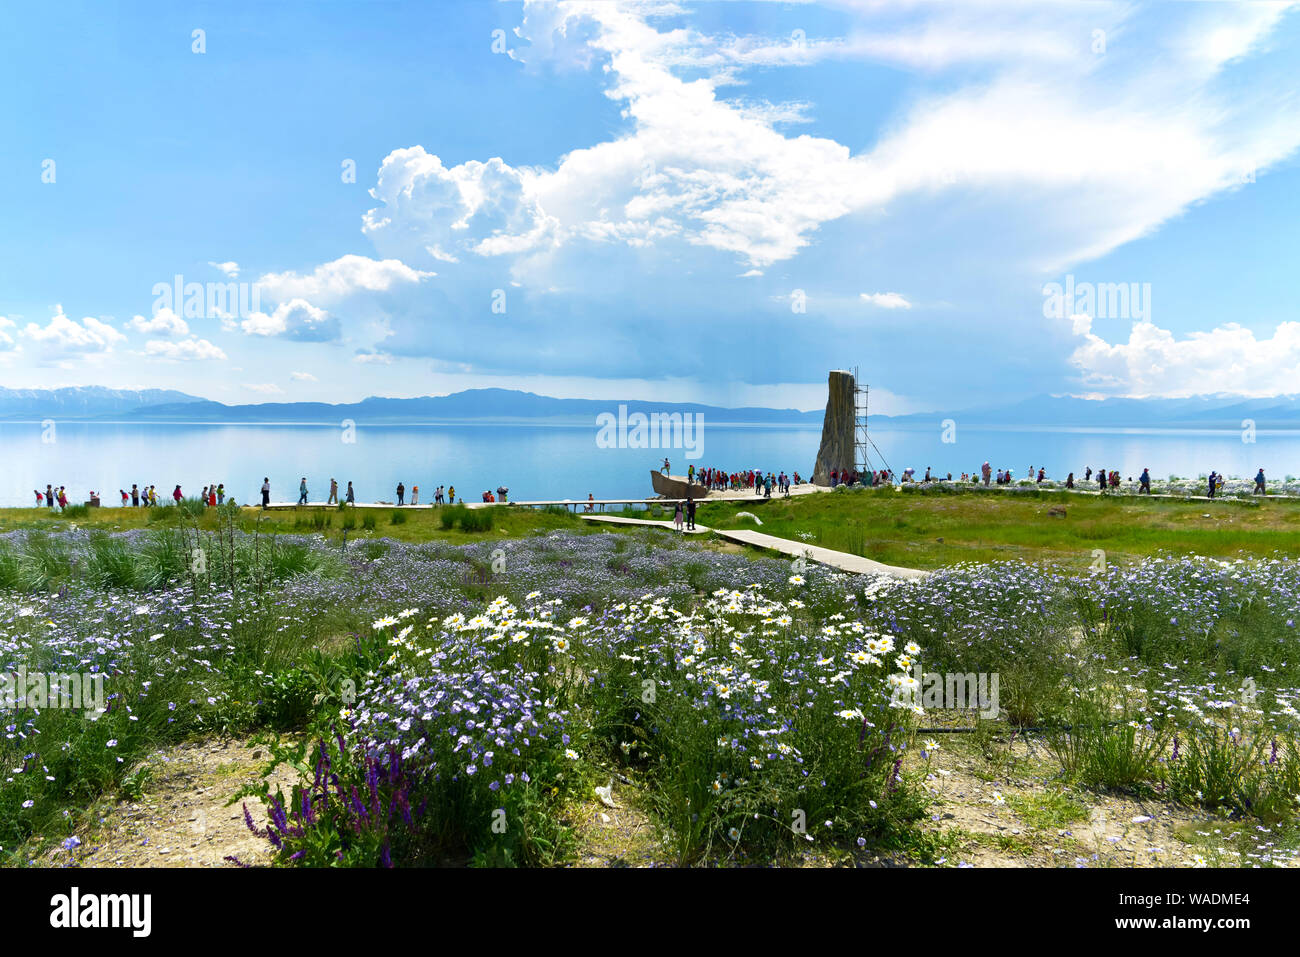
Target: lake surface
[{"x": 555, "y": 461}]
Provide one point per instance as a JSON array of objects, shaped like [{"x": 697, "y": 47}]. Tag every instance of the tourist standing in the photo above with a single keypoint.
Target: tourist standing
[
  {"x": 1213, "y": 476},
  {"x": 451, "y": 495},
  {"x": 415, "y": 495},
  {"x": 221, "y": 494},
  {"x": 401, "y": 493},
  {"x": 690, "y": 514},
  {"x": 266, "y": 493},
  {"x": 302, "y": 491},
  {"x": 177, "y": 495},
  {"x": 677, "y": 517}
]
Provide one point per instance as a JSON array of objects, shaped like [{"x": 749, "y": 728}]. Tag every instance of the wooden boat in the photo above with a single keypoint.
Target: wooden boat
[{"x": 676, "y": 486}]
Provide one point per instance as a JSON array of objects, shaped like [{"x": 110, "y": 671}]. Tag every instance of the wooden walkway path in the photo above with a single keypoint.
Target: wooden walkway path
[
  {"x": 574, "y": 504},
  {"x": 824, "y": 556},
  {"x": 618, "y": 520},
  {"x": 814, "y": 553}
]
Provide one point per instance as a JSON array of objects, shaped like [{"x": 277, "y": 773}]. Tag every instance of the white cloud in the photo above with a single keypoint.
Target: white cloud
[
  {"x": 341, "y": 278},
  {"x": 296, "y": 319},
  {"x": 886, "y": 300},
  {"x": 184, "y": 351},
  {"x": 1147, "y": 136},
  {"x": 375, "y": 358},
  {"x": 231, "y": 269},
  {"x": 68, "y": 337},
  {"x": 263, "y": 388},
  {"x": 302, "y": 377},
  {"x": 484, "y": 208},
  {"x": 164, "y": 321},
  {"x": 1155, "y": 363}
]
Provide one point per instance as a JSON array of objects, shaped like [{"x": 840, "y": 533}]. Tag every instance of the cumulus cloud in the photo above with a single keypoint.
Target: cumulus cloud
[
  {"x": 164, "y": 321},
  {"x": 62, "y": 337},
  {"x": 488, "y": 209},
  {"x": 341, "y": 278},
  {"x": 187, "y": 350},
  {"x": 1153, "y": 362},
  {"x": 295, "y": 319},
  {"x": 886, "y": 300},
  {"x": 231, "y": 269},
  {"x": 1148, "y": 136}
]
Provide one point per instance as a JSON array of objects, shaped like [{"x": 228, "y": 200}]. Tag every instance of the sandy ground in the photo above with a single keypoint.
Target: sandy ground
[{"x": 183, "y": 819}]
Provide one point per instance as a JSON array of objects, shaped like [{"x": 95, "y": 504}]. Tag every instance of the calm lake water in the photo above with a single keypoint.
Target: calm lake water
[{"x": 554, "y": 462}]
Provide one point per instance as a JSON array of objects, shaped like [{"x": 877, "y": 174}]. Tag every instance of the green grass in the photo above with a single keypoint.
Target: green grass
[
  {"x": 912, "y": 529},
  {"x": 930, "y": 530}
]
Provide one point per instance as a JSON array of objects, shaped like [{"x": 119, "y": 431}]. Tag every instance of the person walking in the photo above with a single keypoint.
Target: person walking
[
  {"x": 351, "y": 498},
  {"x": 1144, "y": 482},
  {"x": 302, "y": 491},
  {"x": 1213, "y": 477},
  {"x": 334, "y": 493},
  {"x": 266, "y": 493},
  {"x": 1259, "y": 482},
  {"x": 401, "y": 493},
  {"x": 677, "y": 517},
  {"x": 1101, "y": 479},
  {"x": 135, "y": 495},
  {"x": 177, "y": 495}
]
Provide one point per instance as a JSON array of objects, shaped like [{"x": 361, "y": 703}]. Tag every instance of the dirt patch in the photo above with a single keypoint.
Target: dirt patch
[
  {"x": 182, "y": 818},
  {"x": 1014, "y": 811}
]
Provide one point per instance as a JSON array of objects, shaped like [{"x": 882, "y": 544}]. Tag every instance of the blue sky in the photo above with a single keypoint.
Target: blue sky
[{"x": 714, "y": 202}]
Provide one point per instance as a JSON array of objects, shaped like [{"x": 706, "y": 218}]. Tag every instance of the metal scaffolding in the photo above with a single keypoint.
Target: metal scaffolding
[{"x": 862, "y": 443}]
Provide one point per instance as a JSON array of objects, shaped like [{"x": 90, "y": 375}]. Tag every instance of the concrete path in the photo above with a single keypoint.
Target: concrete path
[
  {"x": 616, "y": 520},
  {"x": 825, "y": 556}
]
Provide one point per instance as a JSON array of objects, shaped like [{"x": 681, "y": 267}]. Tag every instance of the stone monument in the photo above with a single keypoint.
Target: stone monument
[{"x": 838, "y": 429}]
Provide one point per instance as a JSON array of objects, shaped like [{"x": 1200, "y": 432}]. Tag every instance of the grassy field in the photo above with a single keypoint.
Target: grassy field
[
  {"x": 913, "y": 529},
  {"x": 929, "y": 530},
  {"x": 747, "y": 711}
]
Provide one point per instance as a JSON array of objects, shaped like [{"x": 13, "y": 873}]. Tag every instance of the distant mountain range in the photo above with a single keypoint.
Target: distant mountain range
[
  {"x": 1197, "y": 412},
  {"x": 93, "y": 403},
  {"x": 96, "y": 403}
]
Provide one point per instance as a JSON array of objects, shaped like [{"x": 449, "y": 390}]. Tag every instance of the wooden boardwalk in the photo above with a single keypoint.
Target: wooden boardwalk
[
  {"x": 574, "y": 504},
  {"x": 814, "y": 553},
  {"x": 618, "y": 520},
  {"x": 823, "y": 556}
]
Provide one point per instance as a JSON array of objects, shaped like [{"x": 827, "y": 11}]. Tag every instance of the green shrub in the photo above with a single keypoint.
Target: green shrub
[{"x": 398, "y": 518}]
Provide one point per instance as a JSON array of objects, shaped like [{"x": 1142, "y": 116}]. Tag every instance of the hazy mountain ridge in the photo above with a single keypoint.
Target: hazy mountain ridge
[
  {"x": 83, "y": 401},
  {"x": 97, "y": 403}
]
